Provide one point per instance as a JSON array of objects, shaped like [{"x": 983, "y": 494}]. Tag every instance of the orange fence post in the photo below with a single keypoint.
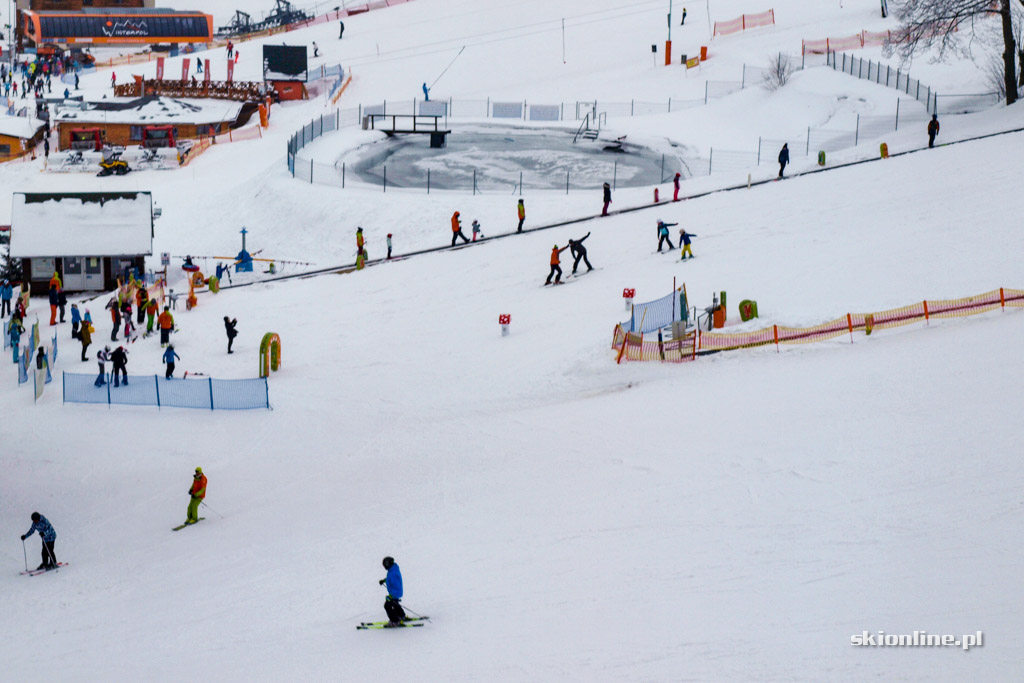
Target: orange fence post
[
  {"x": 926, "y": 311},
  {"x": 849, "y": 325},
  {"x": 1002, "y": 299},
  {"x": 776, "y": 330}
]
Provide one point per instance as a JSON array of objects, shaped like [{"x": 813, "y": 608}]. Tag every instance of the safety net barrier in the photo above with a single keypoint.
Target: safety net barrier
[
  {"x": 638, "y": 346},
  {"x": 153, "y": 390},
  {"x": 744, "y": 22},
  {"x": 654, "y": 315},
  {"x": 634, "y": 346}
]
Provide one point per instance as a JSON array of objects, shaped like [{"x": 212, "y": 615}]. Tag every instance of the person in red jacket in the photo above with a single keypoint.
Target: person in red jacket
[
  {"x": 197, "y": 492},
  {"x": 556, "y": 269},
  {"x": 457, "y": 229},
  {"x": 675, "y": 187}
]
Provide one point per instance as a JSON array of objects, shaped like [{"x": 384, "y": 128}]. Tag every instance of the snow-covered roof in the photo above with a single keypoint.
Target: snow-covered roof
[
  {"x": 19, "y": 126},
  {"x": 153, "y": 110},
  {"x": 82, "y": 224}
]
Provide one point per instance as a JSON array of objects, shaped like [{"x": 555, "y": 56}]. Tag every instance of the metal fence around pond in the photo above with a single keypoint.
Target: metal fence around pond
[{"x": 153, "y": 390}]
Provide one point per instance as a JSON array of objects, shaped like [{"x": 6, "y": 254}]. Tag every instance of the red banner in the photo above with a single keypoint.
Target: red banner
[
  {"x": 231, "y": 70},
  {"x": 184, "y": 68},
  {"x": 159, "y": 68},
  {"x": 206, "y": 72}
]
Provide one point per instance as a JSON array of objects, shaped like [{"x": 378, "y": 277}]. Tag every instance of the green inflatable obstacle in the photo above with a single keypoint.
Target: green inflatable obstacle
[
  {"x": 748, "y": 310},
  {"x": 270, "y": 354}
]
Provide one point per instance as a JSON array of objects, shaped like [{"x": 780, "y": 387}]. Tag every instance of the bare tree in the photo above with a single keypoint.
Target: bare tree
[
  {"x": 948, "y": 24},
  {"x": 780, "y": 68}
]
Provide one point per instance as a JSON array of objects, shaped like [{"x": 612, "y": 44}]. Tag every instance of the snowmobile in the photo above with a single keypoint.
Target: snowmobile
[{"x": 112, "y": 164}]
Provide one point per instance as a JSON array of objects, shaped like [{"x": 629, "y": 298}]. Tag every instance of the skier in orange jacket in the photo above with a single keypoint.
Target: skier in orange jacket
[
  {"x": 556, "y": 269},
  {"x": 197, "y": 492}
]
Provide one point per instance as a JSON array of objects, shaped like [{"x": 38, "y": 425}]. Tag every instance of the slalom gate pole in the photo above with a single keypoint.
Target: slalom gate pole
[
  {"x": 215, "y": 512},
  {"x": 25, "y": 553}
]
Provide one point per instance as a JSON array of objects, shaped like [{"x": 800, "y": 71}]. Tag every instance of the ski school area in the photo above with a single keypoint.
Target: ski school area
[{"x": 540, "y": 343}]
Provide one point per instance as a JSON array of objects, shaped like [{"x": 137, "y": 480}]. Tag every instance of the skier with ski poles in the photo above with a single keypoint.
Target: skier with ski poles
[
  {"x": 393, "y": 582},
  {"x": 49, "y": 538},
  {"x": 197, "y": 493}
]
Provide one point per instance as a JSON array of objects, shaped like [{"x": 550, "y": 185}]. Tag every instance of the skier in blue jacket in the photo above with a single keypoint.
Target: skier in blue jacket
[
  {"x": 393, "y": 581},
  {"x": 49, "y": 536},
  {"x": 169, "y": 356},
  {"x": 663, "y": 234},
  {"x": 6, "y": 292}
]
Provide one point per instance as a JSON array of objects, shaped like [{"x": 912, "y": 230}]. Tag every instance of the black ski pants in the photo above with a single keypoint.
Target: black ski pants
[
  {"x": 170, "y": 371},
  {"x": 394, "y": 609},
  {"x": 84, "y": 348},
  {"x": 576, "y": 264},
  {"x": 456, "y": 235},
  {"x": 5, "y": 308},
  {"x": 231, "y": 340},
  {"x": 122, "y": 370},
  {"x": 662, "y": 239},
  {"x": 555, "y": 269},
  {"x": 931, "y": 139},
  {"x": 782, "y": 167},
  {"x": 49, "y": 556}
]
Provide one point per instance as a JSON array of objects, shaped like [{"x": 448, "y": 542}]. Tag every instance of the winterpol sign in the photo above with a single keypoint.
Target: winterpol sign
[{"x": 124, "y": 29}]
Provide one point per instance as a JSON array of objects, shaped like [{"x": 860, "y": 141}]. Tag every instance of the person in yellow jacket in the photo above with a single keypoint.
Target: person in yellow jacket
[
  {"x": 197, "y": 493},
  {"x": 55, "y": 281}
]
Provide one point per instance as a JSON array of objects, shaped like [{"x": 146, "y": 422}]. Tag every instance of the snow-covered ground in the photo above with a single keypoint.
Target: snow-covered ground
[{"x": 559, "y": 517}]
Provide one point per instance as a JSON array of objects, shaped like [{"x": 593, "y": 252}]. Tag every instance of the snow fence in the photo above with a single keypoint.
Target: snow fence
[{"x": 153, "y": 390}]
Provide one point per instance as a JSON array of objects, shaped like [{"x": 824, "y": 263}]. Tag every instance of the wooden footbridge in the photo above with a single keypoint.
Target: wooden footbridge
[{"x": 408, "y": 124}]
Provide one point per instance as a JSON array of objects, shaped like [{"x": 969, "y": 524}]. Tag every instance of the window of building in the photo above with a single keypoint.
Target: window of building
[
  {"x": 135, "y": 132},
  {"x": 42, "y": 268}
]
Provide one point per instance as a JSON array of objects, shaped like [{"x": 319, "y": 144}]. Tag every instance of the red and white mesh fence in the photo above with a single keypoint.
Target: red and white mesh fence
[
  {"x": 744, "y": 22},
  {"x": 854, "y": 42}
]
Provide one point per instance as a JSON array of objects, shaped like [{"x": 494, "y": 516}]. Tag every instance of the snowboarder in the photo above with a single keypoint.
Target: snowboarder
[
  {"x": 579, "y": 253},
  {"x": 393, "y": 582},
  {"x": 341, "y": 29},
  {"x": 197, "y": 493},
  {"x": 675, "y": 187},
  {"x": 166, "y": 323},
  {"x": 684, "y": 237},
  {"x": 426, "y": 93},
  {"x": 607, "y": 199},
  {"x": 120, "y": 360},
  {"x": 101, "y": 358},
  {"x": 86, "y": 334},
  {"x": 6, "y": 292},
  {"x": 76, "y": 321},
  {"x": 783, "y": 158},
  {"x": 933, "y": 129},
  {"x": 521, "y": 209},
  {"x": 476, "y": 230},
  {"x": 49, "y": 538},
  {"x": 169, "y": 356},
  {"x": 389, "y": 245},
  {"x": 316, "y": 50},
  {"x": 663, "y": 234},
  {"x": 457, "y": 229},
  {"x": 229, "y": 327},
  {"x": 556, "y": 270}
]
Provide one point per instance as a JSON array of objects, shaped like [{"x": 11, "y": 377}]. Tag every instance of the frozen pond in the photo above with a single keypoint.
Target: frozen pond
[{"x": 545, "y": 158}]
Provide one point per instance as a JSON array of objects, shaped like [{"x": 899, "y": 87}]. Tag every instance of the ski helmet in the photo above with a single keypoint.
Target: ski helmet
[
  {"x": 388, "y": 562},
  {"x": 199, "y": 470},
  {"x": 35, "y": 516}
]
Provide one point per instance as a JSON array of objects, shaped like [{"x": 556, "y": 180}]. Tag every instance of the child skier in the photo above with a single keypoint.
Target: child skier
[
  {"x": 393, "y": 582},
  {"x": 169, "y": 356},
  {"x": 476, "y": 230},
  {"x": 663, "y": 234},
  {"x": 76, "y": 321},
  {"x": 684, "y": 237},
  {"x": 556, "y": 270},
  {"x": 151, "y": 308},
  {"x": 49, "y": 538}
]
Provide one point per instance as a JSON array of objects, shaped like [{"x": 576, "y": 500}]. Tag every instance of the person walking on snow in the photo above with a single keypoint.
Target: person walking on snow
[
  {"x": 49, "y": 538},
  {"x": 197, "y": 493},
  {"x": 169, "y": 356},
  {"x": 53, "y": 304},
  {"x": 6, "y": 292},
  {"x": 783, "y": 158},
  {"x": 393, "y": 582},
  {"x": 556, "y": 270},
  {"x": 457, "y": 229},
  {"x": 683, "y": 22},
  {"x": 389, "y": 245},
  {"x": 675, "y": 187},
  {"x": 62, "y": 302},
  {"x": 607, "y": 199},
  {"x": 933, "y": 129},
  {"x": 115, "y": 317},
  {"x": 86, "y": 334},
  {"x": 522, "y": 215},
  {"x": 166, "y": 323},
  {"x": 663, "y": 235},
  {"x": 476, "y": 230},
  {"x": 151, "y": 309},
  {"x": 101, "y": 359},
  {"x": 229, "y": 327},
  {"x": 684, "y": 237},
  {"x": 120, "y": 360},
  {"x": 579, "y": 253}
]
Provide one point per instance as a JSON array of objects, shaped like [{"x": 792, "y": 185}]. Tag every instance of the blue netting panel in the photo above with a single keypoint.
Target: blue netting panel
[
  {"x": 139, "y": 390},
  {"x": 82, "y": 389},
  {"x": 240, "y": 394},
  {"x": 653, "y": 315},
  {"x": 184, "y": 393}
]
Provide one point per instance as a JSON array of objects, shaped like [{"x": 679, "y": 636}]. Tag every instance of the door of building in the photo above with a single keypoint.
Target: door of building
[
  {"x": 74, "y": 273},
  {"x": 93, "y": 273}
]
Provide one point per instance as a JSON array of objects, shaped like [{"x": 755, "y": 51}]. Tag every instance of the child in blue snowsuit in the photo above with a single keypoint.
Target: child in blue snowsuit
[
  {"x": 49, "y": 536},
  {"x": 169, "y": 356},
  {"x": 393, "y": 581},
  {"x": 76, "y": 320},
  {"x": 684, "y": 237},
  {"x": 6, "y": 292},
  {"x": 16, "y": 330}
]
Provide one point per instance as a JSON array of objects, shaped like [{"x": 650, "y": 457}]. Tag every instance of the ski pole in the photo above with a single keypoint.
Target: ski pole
[
  {"x": 217, "y": 513},
  {"x": 25, "y": 553},
  {"x": 414, "y": 613}
]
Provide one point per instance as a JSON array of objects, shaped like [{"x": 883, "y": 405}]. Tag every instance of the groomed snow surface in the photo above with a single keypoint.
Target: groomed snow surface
[{"x": 558, "y": 516}]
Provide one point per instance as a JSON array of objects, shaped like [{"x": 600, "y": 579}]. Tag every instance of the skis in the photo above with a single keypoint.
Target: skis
[
  {"x": 37, "y": 572},
  {"x": 582, "y": 273},
  {"x": 566, "y": 281},
  {"x": 410, "y": 622},
  {"x": 178, "y": 528}
]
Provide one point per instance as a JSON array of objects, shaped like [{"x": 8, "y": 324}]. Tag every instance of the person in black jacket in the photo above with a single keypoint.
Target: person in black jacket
[
  {"x": 607, "y": 199},
  {"x": 783, "y": 158},
  {"x": 120, "y": 359},
  {"x": 62, "y": 302},
  {"x": 579, "y": 253},
  {"x": 229, "y": 327},
  {"x": 933, "y": 129}
]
